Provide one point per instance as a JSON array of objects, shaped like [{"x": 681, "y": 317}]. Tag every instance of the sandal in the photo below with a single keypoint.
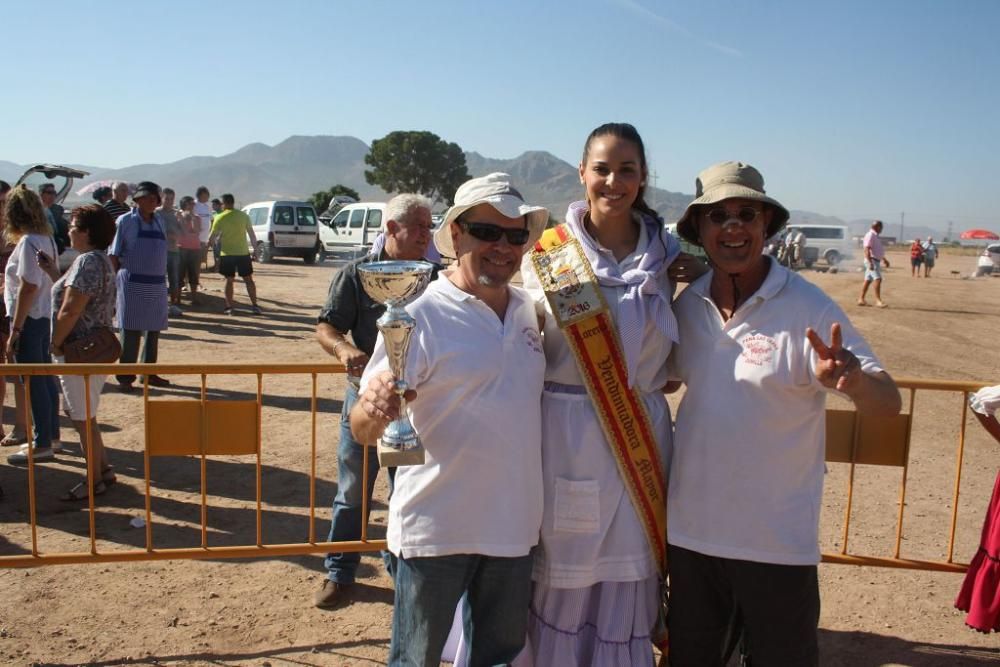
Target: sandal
[
  {"x": 13, "y": 439},
  {"x": 79, "y": 492},
  {"x": 108, "y": 476}
]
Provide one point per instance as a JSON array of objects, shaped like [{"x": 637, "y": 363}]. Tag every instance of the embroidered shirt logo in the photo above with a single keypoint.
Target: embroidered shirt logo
[
  {"x": 758, "y": 349},
  {"x": 533, "y": 340}
]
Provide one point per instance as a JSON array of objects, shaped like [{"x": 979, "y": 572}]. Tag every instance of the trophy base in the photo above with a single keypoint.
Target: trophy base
[{"x": 390, "y": 457}]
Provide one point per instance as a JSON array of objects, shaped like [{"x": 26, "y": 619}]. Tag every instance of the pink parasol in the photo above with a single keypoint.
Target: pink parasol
[{"x": 979, "y": 235}]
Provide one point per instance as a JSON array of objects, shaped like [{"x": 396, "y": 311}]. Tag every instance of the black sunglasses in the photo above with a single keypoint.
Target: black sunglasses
[
  {"x": 485, "y": 231},
  {"x": 746, "y": 215}
]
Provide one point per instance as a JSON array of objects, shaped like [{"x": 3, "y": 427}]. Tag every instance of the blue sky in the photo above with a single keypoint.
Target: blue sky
[{"x": 855, "y": 109}]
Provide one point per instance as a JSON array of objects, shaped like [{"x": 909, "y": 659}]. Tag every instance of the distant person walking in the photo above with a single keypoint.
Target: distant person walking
[
  {"x": 204, "y": 213},
  {"x": 874, "y": 255},
  {"x": 168, "y": 214},
  {"x": 139, "y": 255},
  {"x": 116, "y": 206},
  {"x": 189, "y": 245},
  {"x": 916, "y": 257},
  {"x": 231, "y": 228},
  {"x": 930, "y": 255}
]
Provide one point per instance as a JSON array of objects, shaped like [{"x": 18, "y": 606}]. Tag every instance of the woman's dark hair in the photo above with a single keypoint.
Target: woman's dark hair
[
  {"x": 102, "y": 194},
  {"x": 98, "y": 224},
  {"x": 626, "y": 132}
]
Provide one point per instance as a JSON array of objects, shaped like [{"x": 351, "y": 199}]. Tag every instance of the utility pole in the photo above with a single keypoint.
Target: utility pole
[
  {"x": 949, "y": 231},
  {"x": 902, "y": 236}
]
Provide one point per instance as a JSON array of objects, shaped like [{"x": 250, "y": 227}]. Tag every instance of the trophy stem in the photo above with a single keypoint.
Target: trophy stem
[{"x": 399, "y": 444}]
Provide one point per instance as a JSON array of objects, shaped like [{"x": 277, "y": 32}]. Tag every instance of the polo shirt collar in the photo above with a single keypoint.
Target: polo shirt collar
[
  {"x": 777, "y": 278},
  {"x": 449, "y": 289}
]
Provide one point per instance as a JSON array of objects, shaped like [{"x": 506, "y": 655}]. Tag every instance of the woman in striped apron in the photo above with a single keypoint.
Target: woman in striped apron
[{"x": 139, "y": 252}]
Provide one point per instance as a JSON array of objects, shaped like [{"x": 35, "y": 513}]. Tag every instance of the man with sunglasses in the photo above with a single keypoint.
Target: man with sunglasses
[
  {"x": 350, "y": 311},
  {"x": 759, "y": 349},
  {"x": 465, "y": 521}
]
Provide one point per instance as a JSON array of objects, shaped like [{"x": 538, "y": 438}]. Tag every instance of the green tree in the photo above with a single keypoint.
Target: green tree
[
  {"x": 417, "y": 162},
  {"x": 321, "y": 200}
]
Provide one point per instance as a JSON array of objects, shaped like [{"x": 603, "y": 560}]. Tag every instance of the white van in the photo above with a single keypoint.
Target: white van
[
  {"x": 284, "y": 229},
  {"x": 831, "y": 242},
  {"x": 353, "y": 228}
]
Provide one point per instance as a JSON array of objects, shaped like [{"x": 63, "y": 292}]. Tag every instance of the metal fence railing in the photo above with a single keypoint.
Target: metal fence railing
[{"x": 208, "y": 427}]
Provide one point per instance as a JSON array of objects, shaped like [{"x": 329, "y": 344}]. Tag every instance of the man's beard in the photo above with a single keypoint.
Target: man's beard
[{"x": 489, "y": 281}]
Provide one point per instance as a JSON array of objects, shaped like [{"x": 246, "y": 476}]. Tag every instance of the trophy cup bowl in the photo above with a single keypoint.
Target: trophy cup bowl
[{"x": 394, "y": 283}]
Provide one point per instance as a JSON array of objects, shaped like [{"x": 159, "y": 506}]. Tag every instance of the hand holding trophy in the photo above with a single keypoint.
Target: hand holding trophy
[{"x": 394, "y": 283}]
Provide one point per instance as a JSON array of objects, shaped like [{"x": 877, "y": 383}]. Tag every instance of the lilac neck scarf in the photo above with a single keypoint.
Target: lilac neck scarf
[{"x": 643, "y": 299}]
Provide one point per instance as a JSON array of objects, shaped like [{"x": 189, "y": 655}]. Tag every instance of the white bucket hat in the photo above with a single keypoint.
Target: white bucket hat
[
  {"x": 493, "y": 189},
  {"x": 729, "y": 180}
]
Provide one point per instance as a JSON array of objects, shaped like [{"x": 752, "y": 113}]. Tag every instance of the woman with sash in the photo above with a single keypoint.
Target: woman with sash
[{"x": 598, "y": 570}]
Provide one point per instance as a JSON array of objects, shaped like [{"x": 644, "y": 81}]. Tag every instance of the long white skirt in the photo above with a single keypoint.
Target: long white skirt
[{"x": 604, "y": 625}]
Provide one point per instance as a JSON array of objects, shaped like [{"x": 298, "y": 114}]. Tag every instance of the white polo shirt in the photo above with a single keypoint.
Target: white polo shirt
[
  {"x": 746, "y": 478},
  {"x": 478, "y": 412},
  {"x": 204, "y": 211}
]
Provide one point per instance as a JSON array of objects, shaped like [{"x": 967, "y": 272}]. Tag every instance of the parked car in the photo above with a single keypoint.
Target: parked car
[
  {"x": 336, "y": 203},
  {"x": 284, "y": 229},
  {"x": 353, "y": 228},
  {"x": 832, "y": 243}
]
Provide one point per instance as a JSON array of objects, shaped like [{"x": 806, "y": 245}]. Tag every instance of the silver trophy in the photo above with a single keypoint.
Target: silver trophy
[{"x": 394, "y": 283}]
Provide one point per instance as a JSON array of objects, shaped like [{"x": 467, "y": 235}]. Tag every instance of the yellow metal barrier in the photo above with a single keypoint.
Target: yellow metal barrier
[
  {"x": 190, "y": 428},
  {"x": 855, "y": 440},
  {"x": 207, "y": 428}
]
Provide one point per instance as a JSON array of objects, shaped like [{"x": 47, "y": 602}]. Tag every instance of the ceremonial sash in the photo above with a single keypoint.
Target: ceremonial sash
[{"x": 581, "y": 312}]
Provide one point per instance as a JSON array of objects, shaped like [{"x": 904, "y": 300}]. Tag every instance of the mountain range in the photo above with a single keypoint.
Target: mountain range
[{"x": 302, "y": 165}]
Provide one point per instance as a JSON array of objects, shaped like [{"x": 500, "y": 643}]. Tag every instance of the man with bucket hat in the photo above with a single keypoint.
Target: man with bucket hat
[
  {"x": 139, "y": 256},
  {"x": 465, "y": 521},
  {"x": 759, "y": 349}
]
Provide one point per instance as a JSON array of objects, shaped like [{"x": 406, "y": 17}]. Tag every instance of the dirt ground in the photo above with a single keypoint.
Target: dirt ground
[{"x": 260, "y": 612}]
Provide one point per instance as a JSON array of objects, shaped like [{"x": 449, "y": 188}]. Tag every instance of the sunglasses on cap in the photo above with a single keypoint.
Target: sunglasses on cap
[
  {"x": 485, "y": 231},
  {"x": 745, "y": 214}
]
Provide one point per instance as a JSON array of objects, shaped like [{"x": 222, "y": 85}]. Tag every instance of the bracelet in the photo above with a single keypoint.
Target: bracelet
[{"x": 336, "y": 345}]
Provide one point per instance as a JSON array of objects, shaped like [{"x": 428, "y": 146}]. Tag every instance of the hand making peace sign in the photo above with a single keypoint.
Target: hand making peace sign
[{"x": 837, "y": 367}]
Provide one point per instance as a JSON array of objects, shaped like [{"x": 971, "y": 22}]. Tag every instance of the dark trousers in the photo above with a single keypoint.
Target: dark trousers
[
  {"x": 130, "y": 350},
  {"x": 33, "y": 348},
  {"x": 351, "y": 483},
  {"x": 713, "y": 600},
  {"x": 495, "y": 616}
]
